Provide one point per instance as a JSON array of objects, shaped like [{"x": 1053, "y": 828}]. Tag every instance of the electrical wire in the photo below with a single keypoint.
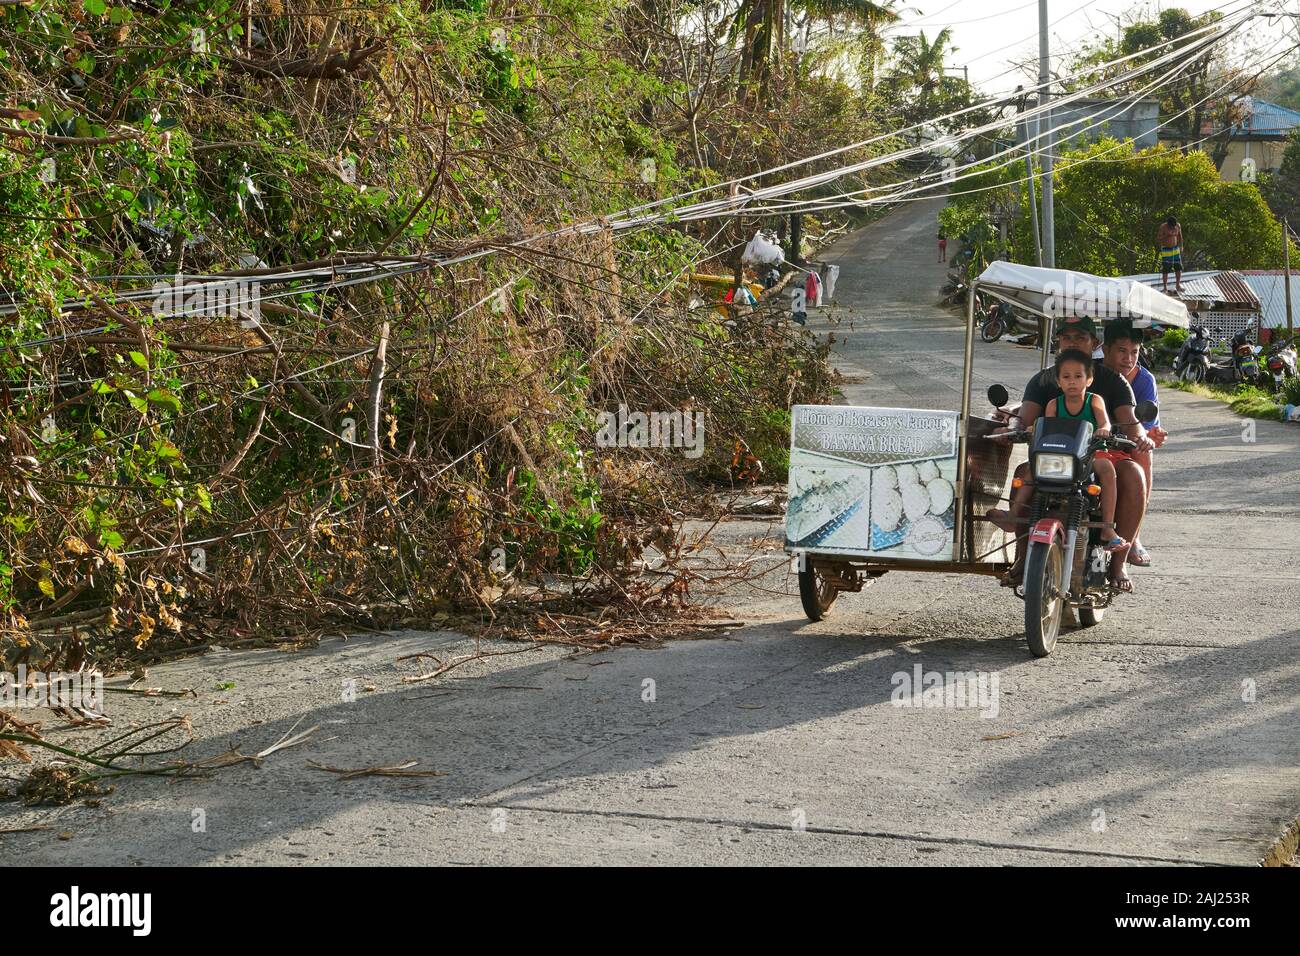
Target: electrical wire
[{"x": 1043, "y": 134}]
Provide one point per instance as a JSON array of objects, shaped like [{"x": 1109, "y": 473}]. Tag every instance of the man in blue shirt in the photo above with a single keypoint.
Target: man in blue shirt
[{"x": 1122, "y": 349}]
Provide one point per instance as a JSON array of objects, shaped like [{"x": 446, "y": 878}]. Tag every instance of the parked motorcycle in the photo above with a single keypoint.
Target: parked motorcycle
[
  {"x": 1281, "y": 363},
  {"x": 1193, "y": 361},
  {"x": 955, "y": 289},
  {"x": 1240, "y": 367},
  {"x": 999, "y": 321}
]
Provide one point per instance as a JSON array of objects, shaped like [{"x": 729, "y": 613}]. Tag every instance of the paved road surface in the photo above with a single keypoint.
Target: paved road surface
[{"x": 1131, "y": 744}]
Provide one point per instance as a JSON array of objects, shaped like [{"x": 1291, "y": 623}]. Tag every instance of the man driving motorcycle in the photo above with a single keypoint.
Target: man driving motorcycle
[
  {"x": 1080, "y": 332},
  {"x": 1122, "y": 350}
]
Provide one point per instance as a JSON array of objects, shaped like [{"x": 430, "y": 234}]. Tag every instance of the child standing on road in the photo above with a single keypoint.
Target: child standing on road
[
  {"x": 1074, "y": 375},
  {"x": 943, "y": 248}
]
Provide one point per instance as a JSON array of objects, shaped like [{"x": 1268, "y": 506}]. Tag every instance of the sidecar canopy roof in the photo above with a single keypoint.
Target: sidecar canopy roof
[{"x": 1061, "y": 293}]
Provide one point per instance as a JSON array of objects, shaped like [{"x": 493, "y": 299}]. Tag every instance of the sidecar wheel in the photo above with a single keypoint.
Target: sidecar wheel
[{"x": 816, "y": 592}]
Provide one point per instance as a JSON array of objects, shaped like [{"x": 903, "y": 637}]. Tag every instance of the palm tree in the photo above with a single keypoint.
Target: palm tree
[
  {"x": 764, "y": 24},
  {"x": 869, "y": 19},
  {"x": 918, "y": 66}
]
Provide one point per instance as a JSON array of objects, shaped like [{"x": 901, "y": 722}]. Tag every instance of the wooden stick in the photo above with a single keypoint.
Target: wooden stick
[{"x": 377, "y": 366}]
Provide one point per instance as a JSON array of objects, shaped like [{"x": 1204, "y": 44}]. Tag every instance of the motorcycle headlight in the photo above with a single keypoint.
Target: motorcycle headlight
[{"x": 1054, "y": 466}]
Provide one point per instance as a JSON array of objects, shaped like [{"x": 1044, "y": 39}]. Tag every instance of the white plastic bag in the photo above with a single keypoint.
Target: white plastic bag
[
  {"x": 832, "y": 275},
  {"x": 762, "y": 251}
]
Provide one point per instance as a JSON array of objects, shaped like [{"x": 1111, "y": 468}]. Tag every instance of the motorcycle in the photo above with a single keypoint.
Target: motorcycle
[
  {"x": 1066, "y": 561},
  {"x": 1000, "y": 320},
  {"x": 954, "y": 291},
  {"x": 1193, "y": 361},
  {"x": 1281, "y": 363},
  {"x": 1241, "y": 365}
]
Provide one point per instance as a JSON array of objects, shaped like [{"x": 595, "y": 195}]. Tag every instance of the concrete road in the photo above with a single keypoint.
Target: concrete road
[{"x": 1170, "y": 733}]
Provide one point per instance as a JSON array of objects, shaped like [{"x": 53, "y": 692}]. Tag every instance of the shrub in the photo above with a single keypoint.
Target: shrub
[
  {"x": 1173, "y": 339},
  {"x": 1290, "y": 394}
]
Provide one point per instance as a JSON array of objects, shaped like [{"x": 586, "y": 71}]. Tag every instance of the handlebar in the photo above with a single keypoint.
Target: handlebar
[{"x": 1114, "y": 441}]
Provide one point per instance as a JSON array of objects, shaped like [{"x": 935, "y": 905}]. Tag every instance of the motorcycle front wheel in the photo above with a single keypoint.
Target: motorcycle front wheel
[
  {"x": 1044, "y": 606},
  {"x": 1194, "y": 373},
  {"x": 992, "y": 330}
]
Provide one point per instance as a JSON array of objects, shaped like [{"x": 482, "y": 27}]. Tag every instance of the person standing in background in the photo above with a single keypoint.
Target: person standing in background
[
  {"x": 943, "y": 248},
  {"x": 1170, "y": 238}
]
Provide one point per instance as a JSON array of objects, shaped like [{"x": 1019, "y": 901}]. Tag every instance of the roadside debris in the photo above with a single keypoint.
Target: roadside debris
[
  {"x": 232, "y": 756},
  {"x": 399, "y": 770}
]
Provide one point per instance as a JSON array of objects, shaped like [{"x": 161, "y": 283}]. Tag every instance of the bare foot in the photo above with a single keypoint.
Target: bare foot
[{"x": 1014, "y": 576}]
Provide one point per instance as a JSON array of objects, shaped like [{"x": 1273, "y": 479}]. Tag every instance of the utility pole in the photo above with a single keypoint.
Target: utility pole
[
  {"x": 1029, "y": 178},
  {"x": 1286, "y": 263},
  {"x": 1044, "y": 99}
]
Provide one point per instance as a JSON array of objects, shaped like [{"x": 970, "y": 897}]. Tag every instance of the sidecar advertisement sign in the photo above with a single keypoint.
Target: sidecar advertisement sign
[{"x": 877, "y": 482}]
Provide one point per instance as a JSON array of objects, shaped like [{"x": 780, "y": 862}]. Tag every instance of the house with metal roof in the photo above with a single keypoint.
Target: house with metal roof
[
  {"x": 1256, "y": 143},
  {"x": 1220, "y": 298},
  {"x": 1270, "y": 286}
]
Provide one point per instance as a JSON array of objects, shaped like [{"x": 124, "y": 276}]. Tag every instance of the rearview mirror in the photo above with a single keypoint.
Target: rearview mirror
[
  {"x": 998, "y": 395},
  {"x": 1147, "y": 410}
]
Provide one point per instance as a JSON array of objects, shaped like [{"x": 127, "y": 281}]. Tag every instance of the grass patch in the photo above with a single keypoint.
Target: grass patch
[{"x": 1245, "y": 400}]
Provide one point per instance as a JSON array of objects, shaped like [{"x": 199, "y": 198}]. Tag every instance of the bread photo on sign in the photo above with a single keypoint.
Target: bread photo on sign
[{"x": 901, "y": 495}]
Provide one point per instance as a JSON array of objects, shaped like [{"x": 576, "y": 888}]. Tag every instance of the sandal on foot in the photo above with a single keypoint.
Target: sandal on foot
[
  {"x": 1139, "y": 557},
  {"x": 1114, "y": 542}
]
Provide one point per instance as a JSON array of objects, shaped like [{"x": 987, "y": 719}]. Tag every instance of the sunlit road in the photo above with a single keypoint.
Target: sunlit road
[{"x": 1168, "y": 733}]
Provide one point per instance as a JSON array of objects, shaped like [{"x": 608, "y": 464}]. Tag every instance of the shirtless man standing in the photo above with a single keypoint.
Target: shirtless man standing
[{"x": 1170, "y": 238}]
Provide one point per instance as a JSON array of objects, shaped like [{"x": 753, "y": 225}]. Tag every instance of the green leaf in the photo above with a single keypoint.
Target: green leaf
[
  {"x": 139, "y": 359},
  {"x": 111, "y": 539},
  {"x": 46, "y": 586},
  {"x": 96, "y": 8},
  {"x": 138, "y": 403},
  {"x": 205, "y": 499},
  {"x": 160, "y": 396}
]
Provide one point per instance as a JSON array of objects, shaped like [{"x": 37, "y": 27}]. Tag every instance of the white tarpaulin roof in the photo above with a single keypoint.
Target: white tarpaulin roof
[{"x": 1059, "y": 293}]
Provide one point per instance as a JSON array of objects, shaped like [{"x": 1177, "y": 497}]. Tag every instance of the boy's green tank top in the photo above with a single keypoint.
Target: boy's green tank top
[{"x": 1085, "y": 413}]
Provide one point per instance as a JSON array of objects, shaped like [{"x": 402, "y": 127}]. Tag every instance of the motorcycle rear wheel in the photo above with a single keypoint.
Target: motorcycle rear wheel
[
  {"x": 1044, "y": 606},
  {"x": 992, "y": 330}
]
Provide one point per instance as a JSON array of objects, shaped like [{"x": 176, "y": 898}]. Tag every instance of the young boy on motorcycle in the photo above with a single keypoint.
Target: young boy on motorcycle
[{"x": 1074, "y": 374}]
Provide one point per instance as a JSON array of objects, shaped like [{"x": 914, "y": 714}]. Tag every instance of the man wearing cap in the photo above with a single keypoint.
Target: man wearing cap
[
  {"x": 1121, "y": 352},
  {"x": 1080, "y": 332}
]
